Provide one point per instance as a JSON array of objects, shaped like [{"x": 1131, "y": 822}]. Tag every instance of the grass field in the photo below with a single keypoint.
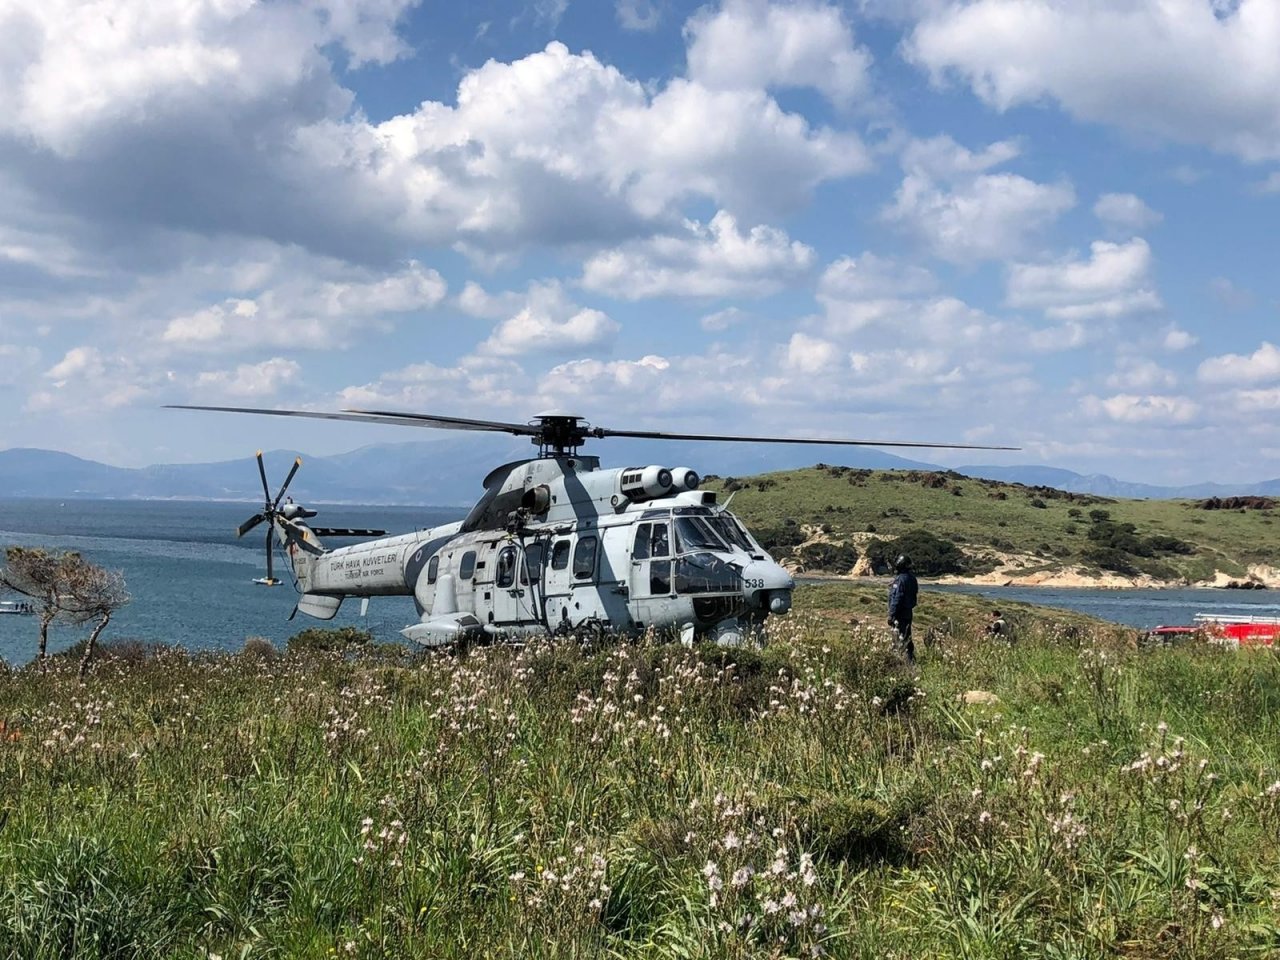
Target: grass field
[
  {"x": 1048, "y": 527},
  {"x": 647, "y": 800}
]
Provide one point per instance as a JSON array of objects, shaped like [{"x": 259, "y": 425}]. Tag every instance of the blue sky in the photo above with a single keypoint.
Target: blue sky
[{"x": 1048, "y": 223}]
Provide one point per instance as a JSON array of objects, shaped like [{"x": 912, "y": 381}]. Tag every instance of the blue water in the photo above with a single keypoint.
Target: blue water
[
  {"x": 1135, "y": 608},
  {"x": 190, "y": 578}
]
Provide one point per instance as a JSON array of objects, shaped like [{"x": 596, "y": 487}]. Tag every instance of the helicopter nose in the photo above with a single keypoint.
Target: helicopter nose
[{"x": 768, "y": 586}]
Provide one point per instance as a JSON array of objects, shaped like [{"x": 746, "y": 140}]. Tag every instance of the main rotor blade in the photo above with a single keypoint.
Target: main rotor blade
[
  {"x": 387, "y": 417},
  {"x": 262, "y": 472},
  {"x": 654, "y": 435},
  {"x": 249, "y": 524},
  {"x": 270, "y": 572},
  {"x": 297, "y": 462}
]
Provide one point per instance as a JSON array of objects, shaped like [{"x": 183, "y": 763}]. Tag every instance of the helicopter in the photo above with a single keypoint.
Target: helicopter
[{"x": 555, "y": 545}]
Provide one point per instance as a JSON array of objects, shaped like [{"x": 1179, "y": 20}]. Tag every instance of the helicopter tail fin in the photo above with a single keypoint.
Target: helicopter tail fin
[{"x": 302, "y": 547}]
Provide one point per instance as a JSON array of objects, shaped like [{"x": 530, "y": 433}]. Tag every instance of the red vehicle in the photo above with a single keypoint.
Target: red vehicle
[{"x": 1233, "y": 630}]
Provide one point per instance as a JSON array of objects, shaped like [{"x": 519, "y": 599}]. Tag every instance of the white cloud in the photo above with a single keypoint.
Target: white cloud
[
  {"x": 1261, "y": 365},
  {"x": 1125, "y": 211},
  {"x": 715, "y": 260},
  {"x": 754, "y": 44},
  {"x": 558, "y": 147},
  {"x": 475, "y": 301},
  {"x": 964, "y": 215},
  {"x": 78, "y": 363},
  {"x": 722, "y": 319},
  {"x": 582, "y": 377},
  {"x": 1257, "y": 401},
  {"x": 1229, "y": 295},
  {"x": 306, "y": 313},
  {"x": 1113, "y": 282},
  {"x": 489, "y": 384},
  {"x": 251, "y": 380},
  {"x": 869, "y": 277},
  {"x": 1177, "y": 339},
  {"x": 88, "y": 382},
  {"x": 809, "y": 355},
  {"x": 1140, "y": 374},
  {"x": 550, "y": 323},
  {"x": 1186, "y": 70},
  {"x": 1148, "y": 408},
  {"x": 639, "y": 15},
  {"x": 242, "y": 105}
]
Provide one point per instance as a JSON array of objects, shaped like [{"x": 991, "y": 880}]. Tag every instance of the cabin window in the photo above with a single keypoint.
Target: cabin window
[
  {"x": 468, "y": 565},
  {"x": 560, "y": 555},
  {"x": 660, "y": 578},
  {"x": 640, "y": 549},
  {"x": 531, "y": 572},
  {"x": 506, "y": 576},
  {"x": 433, "y": 569},
  {"x": 584, "y": 558},
  {"x": 660, "y": 542}
]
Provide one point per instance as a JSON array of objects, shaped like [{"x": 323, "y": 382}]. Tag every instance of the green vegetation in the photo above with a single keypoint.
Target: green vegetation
[
  {"x": 344, "y": 799},
  {"x": 988, "y": 521}
]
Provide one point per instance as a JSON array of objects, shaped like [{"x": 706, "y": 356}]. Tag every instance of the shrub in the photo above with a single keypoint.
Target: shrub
[
  {"x": 930, "y": 555},
  {"x": 329, "y": 639},
  {"x": 258, "y": 648},
  {"x": 829, "y": 556}
]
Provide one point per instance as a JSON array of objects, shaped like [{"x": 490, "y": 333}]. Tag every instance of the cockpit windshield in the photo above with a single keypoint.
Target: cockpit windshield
[
  {"x": 693, "y": 534},
  {"x": 730, "y": 532}
]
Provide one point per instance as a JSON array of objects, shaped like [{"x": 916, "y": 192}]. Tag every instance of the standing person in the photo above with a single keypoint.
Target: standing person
[{"x": 902, "y": 604}]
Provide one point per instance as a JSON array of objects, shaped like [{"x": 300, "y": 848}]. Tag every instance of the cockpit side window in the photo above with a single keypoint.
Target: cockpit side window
[
  {"x": 640, "y": 549},
  {"x": 584, "y": 558},
  {"x": 660, "y": 542},
  {"x": 506, "y": 573},
  {"x": 532, "y": 570}
]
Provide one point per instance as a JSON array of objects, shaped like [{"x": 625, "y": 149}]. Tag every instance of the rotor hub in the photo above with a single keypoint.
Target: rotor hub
[{"x": 559, "y": 434}]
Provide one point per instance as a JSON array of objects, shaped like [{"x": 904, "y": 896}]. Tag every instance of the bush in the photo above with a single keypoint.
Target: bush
[
  {"x": 259, "y": 648},
  {"x": 851, "y": 830},
  {"x": 1109, "y": 558},
  {"x": 931, "y": 556},
  {"x": 779, "y": 539},
  {"x": 829, "y": 556},
  {"x": 329, "y": 639}
]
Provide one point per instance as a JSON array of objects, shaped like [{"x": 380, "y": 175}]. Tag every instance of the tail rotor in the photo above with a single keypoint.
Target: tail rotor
[{"x": 270, "y": 512}]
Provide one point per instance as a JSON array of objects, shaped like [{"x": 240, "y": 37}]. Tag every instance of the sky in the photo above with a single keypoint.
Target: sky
[{"x": 1042, "y": 223}]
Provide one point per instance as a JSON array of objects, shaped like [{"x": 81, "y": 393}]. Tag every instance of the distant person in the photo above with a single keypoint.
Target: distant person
[
  {"x": 996, "y": 625},
  {"x": 902, "y": 604}
]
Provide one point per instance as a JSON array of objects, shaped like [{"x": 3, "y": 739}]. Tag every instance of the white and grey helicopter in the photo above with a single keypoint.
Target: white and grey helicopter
[{"x": 555, "y": 545}]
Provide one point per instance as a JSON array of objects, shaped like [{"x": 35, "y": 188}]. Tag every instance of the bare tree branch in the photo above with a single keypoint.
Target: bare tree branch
[{"x": 66, "y": 588}]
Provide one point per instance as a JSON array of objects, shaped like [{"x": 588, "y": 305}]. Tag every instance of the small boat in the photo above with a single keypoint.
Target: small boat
[
  {"x": 1234, "y": 630},
  {"x": 20, "y": 608}
]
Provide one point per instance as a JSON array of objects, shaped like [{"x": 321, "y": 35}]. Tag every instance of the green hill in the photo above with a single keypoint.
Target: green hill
[{"x": 827, "y": 517}]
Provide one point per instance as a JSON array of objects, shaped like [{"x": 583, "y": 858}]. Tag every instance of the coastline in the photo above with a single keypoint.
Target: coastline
[{"x": 1073, "y": 578}]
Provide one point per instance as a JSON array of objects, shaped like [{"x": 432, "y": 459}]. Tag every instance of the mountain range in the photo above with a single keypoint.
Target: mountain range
[{"x": 449, "y": 472}]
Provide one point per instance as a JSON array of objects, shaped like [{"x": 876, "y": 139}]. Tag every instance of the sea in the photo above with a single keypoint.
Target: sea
[{"x": 191, "y": 579}]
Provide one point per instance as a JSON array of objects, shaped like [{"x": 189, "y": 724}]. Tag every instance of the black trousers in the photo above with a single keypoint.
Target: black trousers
[{"x": 905, "y": 643}]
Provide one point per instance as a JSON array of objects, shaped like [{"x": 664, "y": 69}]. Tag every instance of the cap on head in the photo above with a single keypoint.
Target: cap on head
[{"x": 902, "y": 563}]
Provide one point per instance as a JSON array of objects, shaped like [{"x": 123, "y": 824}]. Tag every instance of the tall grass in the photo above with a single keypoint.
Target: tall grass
[{"x": 643, "y": 799}]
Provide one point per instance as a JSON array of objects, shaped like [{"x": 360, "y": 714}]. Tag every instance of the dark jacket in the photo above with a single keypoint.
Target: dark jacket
[{"x": 902, "y": 596}]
